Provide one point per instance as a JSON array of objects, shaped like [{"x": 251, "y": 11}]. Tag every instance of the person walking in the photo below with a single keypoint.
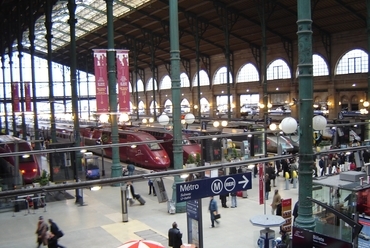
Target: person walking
[
  {"x": 213, "y": 210},
  {"x": 56, "y": 233},
  {"x": 151, "y": 185},
  {"x": 267, "y": 186},
  {"x": 131, "y": 169},
  {"x": 130, "y": 192},
  {"x": 322, "y": 166},
  {"x": 234, "y": 203},
  {"x": 174, "y": 236},
  {"x": 41, "y": 232},
  {"x": 223, "y": 199},
  {"x": 276, "y": 200},
  {"x": 271, "y": 171}
]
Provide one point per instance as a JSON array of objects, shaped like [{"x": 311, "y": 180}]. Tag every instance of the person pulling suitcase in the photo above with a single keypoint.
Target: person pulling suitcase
[{"x": 130, "y": 192}]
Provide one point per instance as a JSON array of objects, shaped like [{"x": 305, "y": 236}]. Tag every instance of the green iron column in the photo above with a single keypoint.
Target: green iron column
[
  {"x": 176, "y": 96},
  {"x": 367, "y": 127},
  {"x": 21, "y": 83},
  {"x": 111, "y": 61},
  {"x": 49, "y": 36},
  {"x": 31, "y": 38},
  {"x": 4, "y": 92},
  {"x": 76, "y": 125},
  {"x": 305, "y": 80}
]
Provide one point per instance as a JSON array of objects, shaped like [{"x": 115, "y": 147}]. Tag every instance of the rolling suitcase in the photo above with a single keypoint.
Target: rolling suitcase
[{"x": 140, "y": 199}]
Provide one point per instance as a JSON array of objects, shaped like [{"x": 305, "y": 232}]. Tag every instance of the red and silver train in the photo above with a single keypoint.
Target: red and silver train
[
  {"x": 189, "y": 148},
  {"x": 148, "y": 155},
  {"x": 28, "y": 165}
]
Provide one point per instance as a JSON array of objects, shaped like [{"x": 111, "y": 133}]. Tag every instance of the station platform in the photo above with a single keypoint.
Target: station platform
[{"x": 98, "y": 222}]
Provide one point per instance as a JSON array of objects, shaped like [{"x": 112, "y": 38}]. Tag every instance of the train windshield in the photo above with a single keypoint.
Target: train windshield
[
  {"x": 22, "y": 147},
  {"x": 154, "y": 146},
  {"x": 185, "y": 141}
]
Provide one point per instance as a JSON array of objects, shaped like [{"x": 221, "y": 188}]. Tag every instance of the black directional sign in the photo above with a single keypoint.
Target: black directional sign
[{"x": 213, "y": 186}]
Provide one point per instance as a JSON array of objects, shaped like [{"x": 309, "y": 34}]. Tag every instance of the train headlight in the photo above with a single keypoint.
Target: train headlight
[
  {"x": 23, "y": 171},
  {"x": 34, "y": 170}
]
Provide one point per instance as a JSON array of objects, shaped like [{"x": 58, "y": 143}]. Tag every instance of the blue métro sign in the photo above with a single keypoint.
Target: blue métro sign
[{"x": 213, "y": 186}]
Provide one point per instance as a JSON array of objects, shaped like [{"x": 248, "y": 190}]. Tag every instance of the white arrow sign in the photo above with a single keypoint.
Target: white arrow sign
[{"x": 245, "y": 181}]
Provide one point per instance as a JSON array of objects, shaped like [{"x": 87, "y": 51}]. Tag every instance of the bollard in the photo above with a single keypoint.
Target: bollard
[
  {"x": 286, "y": 180},
  {"x": 124, "y": 203},
  {"x": 295, "y": 179}
]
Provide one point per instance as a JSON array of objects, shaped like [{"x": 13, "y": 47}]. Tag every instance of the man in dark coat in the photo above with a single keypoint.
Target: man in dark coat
[
  {"x": 174, "y": 236},
  {"x": 56, "y": 234},
  {"x": 322, "y": 166},
  {"x": 295, "y": 211}
]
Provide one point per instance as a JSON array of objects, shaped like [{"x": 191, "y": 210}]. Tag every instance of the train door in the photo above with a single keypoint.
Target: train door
[
  {"x": 124, "y": 151},
  {"x": 105, "y": 137}
]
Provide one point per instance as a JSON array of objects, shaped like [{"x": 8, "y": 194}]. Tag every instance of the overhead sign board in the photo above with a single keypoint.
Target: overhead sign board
[{"x": 213, "y": 186}]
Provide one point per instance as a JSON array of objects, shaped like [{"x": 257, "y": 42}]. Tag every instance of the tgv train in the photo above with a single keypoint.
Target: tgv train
[
  {"x": 189, "y": 148},
  {"x": 149, "y": 155},
  {"x": 28, "y": 165}
]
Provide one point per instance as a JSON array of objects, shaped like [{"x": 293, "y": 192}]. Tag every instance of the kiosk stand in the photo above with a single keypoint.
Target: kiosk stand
[{"x": 267, "y": 236}]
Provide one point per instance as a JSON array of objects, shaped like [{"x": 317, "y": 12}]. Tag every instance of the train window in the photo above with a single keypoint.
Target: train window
[
  {"x": 123, "y": 136},
  {"x": 154, "y": 146}
]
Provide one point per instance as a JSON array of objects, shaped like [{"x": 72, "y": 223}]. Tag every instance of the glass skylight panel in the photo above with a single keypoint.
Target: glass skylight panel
[{"x": 86, "y": 10}]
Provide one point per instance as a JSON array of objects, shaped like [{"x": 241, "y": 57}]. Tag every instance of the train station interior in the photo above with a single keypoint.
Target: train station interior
[{"x": 68, "y": 66}]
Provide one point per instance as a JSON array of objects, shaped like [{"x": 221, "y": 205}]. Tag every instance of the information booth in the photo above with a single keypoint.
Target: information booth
[{"x": 348, "y": 193}]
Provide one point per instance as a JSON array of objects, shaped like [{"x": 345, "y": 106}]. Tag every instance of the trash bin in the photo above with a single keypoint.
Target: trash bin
[
  {"x": 171, "y": 207},
  {"x": 245, "y": 194},
  {"x": 35, "y": 204},
  {"x": 16, "y": 206}
]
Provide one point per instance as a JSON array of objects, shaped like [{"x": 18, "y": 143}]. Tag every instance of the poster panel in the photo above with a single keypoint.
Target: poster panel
[
  {"x": 15, "y": 96},
  {"x": 123, "y": 80},
  {"x": 286, "y": 206},
  {"x": 27, "y": 96},
  {"x": 307, "y": 239},
  {"x": 364, "y": 236},
  {"x": 101, "y": 80}
]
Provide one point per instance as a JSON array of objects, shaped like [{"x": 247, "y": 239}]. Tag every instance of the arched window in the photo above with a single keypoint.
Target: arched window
[
  {"x": 220, "y": 76},
  {"x": 185, "y": 106},
  {"x": 149, "y": 85},
  {"x": 203, "y": 79},
  {"x": 166, "y": 83},
  {"x": 129, "y": 87},
  {"x": 168, "y": 106},
  {"x": 140, "y": 86},
  {"x": 247, "y": 73},
  {"x": 153, "y": 105},
  {"x": 185, "y": 82},
  {"x": 355, "y": 61},
  {"x": 278, "y": 69},
  {"x": 320, "y": 67},
  {"x": 141, "y": 108}
]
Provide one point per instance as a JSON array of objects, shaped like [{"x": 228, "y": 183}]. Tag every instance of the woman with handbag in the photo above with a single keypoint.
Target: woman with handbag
[{"x": 213, "y": 209}]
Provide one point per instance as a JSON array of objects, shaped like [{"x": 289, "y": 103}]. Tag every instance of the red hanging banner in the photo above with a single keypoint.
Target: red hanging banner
[
  {"x": 101, "y": 80},
  {"x": 27, "y": 96},
  {"x": 15, "y": 97},
  {"x": 261, "y": 183},
  {"x": 123, "y": 80}
]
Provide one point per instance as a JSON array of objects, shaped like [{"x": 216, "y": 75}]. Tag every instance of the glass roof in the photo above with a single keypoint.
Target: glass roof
[{"x": 90, "y": 15}]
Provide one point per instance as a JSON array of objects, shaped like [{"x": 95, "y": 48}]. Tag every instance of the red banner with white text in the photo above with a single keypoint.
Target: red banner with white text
[
  {"x": 15, "y": 96},
  {"x": 27, "y": 96},
  {"x": 123, "y": 80},
  {"x": 101, "y": 80},
  {"x": 261, "y": 178}
]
